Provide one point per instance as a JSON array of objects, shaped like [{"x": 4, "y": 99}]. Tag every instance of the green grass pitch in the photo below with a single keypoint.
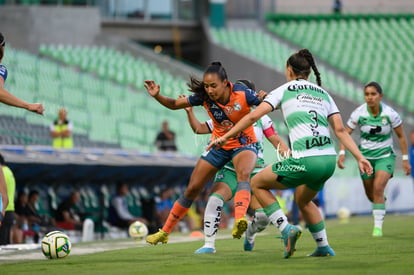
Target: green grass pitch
[{"x": 357, "y": 253}]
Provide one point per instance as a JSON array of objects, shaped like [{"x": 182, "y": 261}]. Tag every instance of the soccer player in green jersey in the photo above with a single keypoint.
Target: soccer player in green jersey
[
  {"x": 225, "y": 182},
  {"x": 376, "y": 120},
  {"x": 308, "y": 111}
]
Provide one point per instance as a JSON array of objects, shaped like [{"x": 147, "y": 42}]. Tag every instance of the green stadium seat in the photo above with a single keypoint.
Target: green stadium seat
[
  {"x": 134, "y": 133},
  {"x": 73, "y": 97},
  {"x": 100, "y": 103}
]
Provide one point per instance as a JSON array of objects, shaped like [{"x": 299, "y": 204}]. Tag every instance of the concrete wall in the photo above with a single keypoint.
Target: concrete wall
[
  {"x": 26, "y": 27},
  {"x": 161, "y": 32}
]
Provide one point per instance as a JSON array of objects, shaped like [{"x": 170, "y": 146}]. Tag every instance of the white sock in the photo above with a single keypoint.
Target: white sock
[
  {"x": 259, "y": 223},
  {"x": 320, "y": 238},
  {"x": 379, "y": 215},
  {"x": 212, "y": 216},
  {"x": 279, "y": 219}
]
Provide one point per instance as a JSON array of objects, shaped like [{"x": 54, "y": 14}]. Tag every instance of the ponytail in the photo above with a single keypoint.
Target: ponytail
[
  {"x": 308, "y": 56},
  {"x": 196, "y": 86},
  {"x": 301, "y": 64}
]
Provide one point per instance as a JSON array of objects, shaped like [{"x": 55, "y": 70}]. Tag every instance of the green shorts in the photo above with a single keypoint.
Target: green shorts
[
  {"x": 384, "y": 164},
  {"x": 229, "y": 177},
  {"x": 312, "y": 171}
]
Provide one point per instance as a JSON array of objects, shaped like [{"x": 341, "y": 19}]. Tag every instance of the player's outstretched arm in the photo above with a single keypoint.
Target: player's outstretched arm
[
  {"x": 7, "y": 98},
  {"x": 153, "y": 90}
]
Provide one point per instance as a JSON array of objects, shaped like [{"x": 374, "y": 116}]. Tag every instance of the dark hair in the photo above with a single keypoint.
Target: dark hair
[
  {"x": 2, "y": 161},
  {"x": 2, "y": 44},
  {"x": 197, "y": 86},
  {"x": 33, "y": 193},
  {"x": 375, "y": 85},
  {"x": 119, "y": 186},
  {"x": 302, "y": 62},
  {"x": 246, "y": 83},
  {"x": 20, "y": 194}
]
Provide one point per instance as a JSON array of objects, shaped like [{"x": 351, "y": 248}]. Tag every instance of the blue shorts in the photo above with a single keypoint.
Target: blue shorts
[{"x": 219, "y": 157}]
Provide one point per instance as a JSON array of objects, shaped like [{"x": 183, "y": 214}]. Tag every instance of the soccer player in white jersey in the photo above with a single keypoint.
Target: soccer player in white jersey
[
  {"x": 225, "y": 182},
  {"x": 7, "y": 98},
  {"x": 376, "y": 120},
  {"x": 308, "y": 111}
]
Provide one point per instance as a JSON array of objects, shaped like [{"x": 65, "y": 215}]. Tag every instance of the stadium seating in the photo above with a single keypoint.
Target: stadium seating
[
  {"x": 368, "y": 48},
  {"x": 265, "y": 48},
  {"x": 107, "y": 103},
  {"x": 138, "y": 117}
]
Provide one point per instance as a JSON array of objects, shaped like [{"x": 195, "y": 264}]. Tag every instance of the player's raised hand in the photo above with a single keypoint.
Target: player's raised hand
[
  {"x": 36, "y": 108},
  {"x": 152, "y": 87}
]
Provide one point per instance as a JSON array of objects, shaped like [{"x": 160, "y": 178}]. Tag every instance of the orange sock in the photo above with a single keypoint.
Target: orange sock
[
  {"x": 241, "y": 203},
  {"x": 177, "y": 212}
]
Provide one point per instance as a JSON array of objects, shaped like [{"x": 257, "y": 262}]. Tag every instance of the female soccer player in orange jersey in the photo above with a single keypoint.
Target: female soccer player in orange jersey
[{"x": 226, "y": 103}]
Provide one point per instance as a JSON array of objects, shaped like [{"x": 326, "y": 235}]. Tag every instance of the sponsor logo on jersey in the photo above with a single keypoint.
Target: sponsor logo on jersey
[
  {"x": 218, "y": 115},
  {"x": 298, "y": 87},
  {"x": 237, "y": 106},
  {"x": 228, "y": 110},
  {"x": 304, "y": 97},
  {"x": 226, "y": 124},
  {"x": 317, "y": 142}
]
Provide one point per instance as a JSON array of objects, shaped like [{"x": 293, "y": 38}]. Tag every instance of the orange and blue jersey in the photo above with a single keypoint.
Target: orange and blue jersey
[
  {"x": 3, "y": 72},
  {"x": 226, "y": 116}
]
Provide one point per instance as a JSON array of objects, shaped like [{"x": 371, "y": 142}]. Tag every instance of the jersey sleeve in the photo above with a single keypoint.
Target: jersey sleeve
[
  {"x": 195, "y": 100},
  {"x": 274, "y": 97},
  {"x": 333, "y": 109},
  {"x": 210, "y": 125},
  {"x": 353, "y": 119},
  {"x": 251, "y": 97},
  {"x": 267, "y": 126},
  {"x": 3, "y": 72},
  {"x": 395, "y": 119}
]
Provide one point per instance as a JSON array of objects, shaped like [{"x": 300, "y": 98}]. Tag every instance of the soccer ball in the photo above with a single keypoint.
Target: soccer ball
[
  {"x": 138, "y": 230},
  {"x": 56, "y": 245},
  {"x": 343, "y": 214}
]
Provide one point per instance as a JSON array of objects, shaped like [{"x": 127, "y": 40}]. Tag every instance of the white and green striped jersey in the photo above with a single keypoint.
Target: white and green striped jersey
[
  {"x": 306, "y": 108},
  {"x": 260, "y": 126},
  {"x": 376, "y": 132}
]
